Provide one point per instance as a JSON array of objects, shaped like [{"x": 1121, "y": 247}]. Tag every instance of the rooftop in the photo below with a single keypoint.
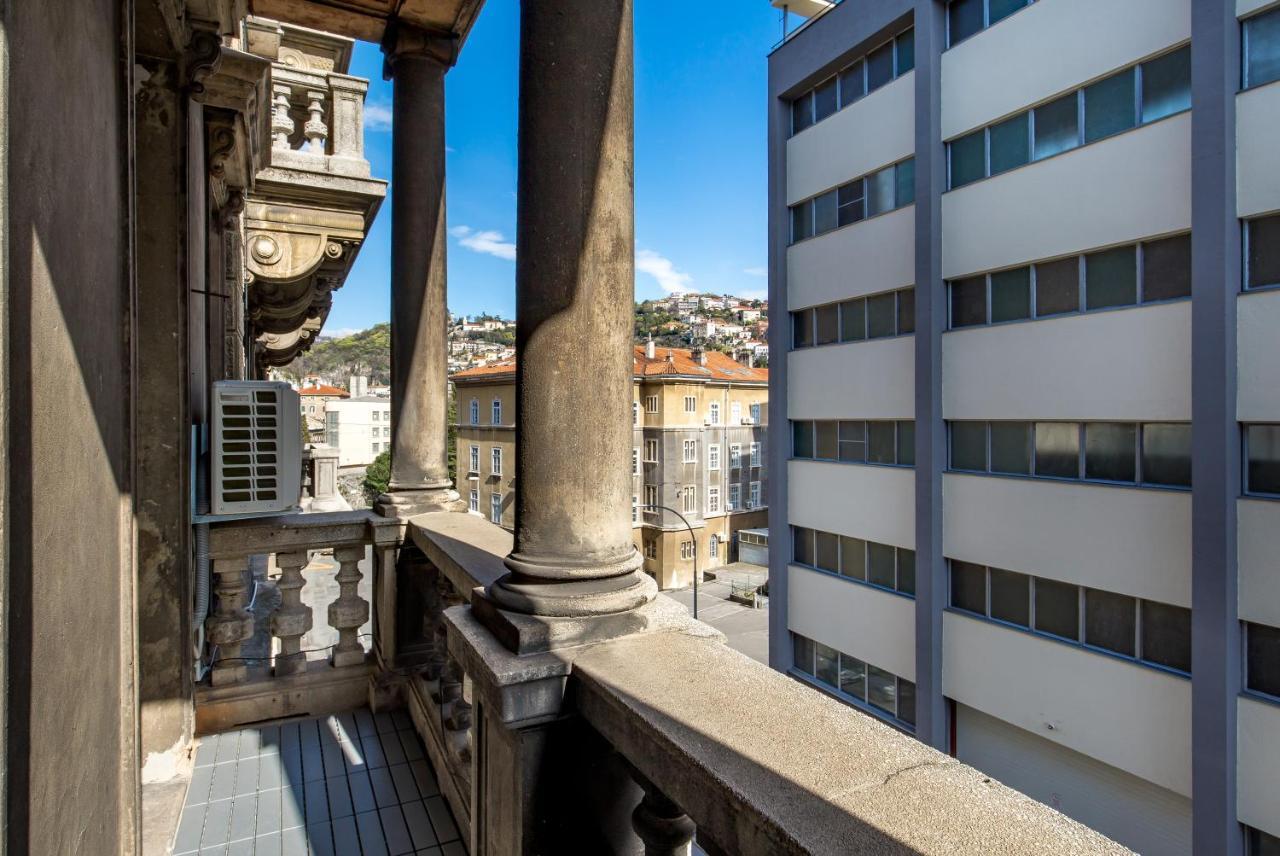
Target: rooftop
[{"x": 666, "y": 362}]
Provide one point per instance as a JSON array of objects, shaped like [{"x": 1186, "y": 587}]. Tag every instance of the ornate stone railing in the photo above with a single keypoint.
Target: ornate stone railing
[
  {"x": 663, "y": 730},
  {"x": 289, "y": 679}
]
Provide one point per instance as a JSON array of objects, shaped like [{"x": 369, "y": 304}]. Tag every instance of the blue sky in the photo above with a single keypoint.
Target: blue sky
[{"x": 700, "y": 158}]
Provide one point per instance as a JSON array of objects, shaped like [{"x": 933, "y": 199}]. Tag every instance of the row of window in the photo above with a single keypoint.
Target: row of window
[
  {"x": 1260, "y": 49},
  {"x": 690, "y": 455},
  {"x": 1262, "y": 658},
  {"x": 380, "y": 415},
  {"x": 967, "y": 17},
  {"x": 878, "y": 316},
  {"x": 1262, "y": 252},
  {"x": 1144, "y": 630},
  {"x": 1137, "y": 95},
  {"x": 884, "y": 190},
  {"x": 495, "y": 505},
  {"x": 882, "y": 565},
  {"x": 856, "y": 680},
  {"x": 495, "y": 460},
  {"x": 689, "y": 499},
  {"x": 1122, "y": 276},
  {"x": 890, "y": 60},
  {"x": 495, "y": 412},
  {"x": 855, "y": 441},
  {"x": 1262, "y": 460},
  {"x": 1150, "y": 453},
  {"x": 653, "y": 402}
]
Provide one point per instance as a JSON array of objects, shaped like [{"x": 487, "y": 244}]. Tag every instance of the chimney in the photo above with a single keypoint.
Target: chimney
[
  {"x": 751, "y": 359},
  {"x": 648, "y": 347},
  {"x": 699, "y": 355}
]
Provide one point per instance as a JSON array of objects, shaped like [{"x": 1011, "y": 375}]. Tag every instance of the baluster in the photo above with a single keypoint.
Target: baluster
[
  {"x": 315, "y": 129},
  {"x": 281, "y": 124},
  {"x": 232, "y": 623},
  {"x": 663, "y": 827},
  {"x": 349, "y": 611},
  {"x": 292, "y": 618}
]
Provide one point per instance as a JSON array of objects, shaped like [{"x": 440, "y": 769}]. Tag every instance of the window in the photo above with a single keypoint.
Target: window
[
  {"x": 689, "y": 495},
  {"x": 852, "y": 442},
  {"x": 713, "y": 500},
  {"x": 1057, "y": 446},
  {"x": 1166, "y": 635},
  {"x": 735, "y": 456},
  {"x": 1260, "y": 843},
  {"x": 651, "y": 550},
  {"x": 651, "y": 451},
  {"x": 1262, "y": 459},
  {"x": 968, "y": 158},
  {"x": 375, "y": 448},
  {"x": 651, "y": 404},
  {"x": 635, "y": 508},
  {"x": 635, "y": 461},
  {"x": 1010, "y": 143},
  {"x": 1111, "y": 278},
  {"x": 969, "y": 587},
  {"x": 753, "y": 500},
  {"x": 1166, "y": 268},
  {"x": 755, "y": 413},
  {"x": 686, "y": 550},
  {"x": 497, "y": 461},
  {"x": 735, "y": 412},
  {"x": 882, "y": 565},
  {"x": 650, "y": 497},
  {"x": 875, "y": 193},
  {"x": 1011, "y": 448},
  {"x": 969, "y": 446},
  {"x": 1110, "y": 621},
  {"x": 1166, "y": 454},
  {"x": 1010, "y": 596},
  {"x": 635, "y": 413},
  {"x": 1110, "y": 105},
  {"x": 475, "y": 459},
  {"x": 475, "y": 412},
  {"x": 1166, "y": 86},
  {"x": 1261, "y": 48},
  {"x": 690, "y": 451},
  {"x": 1110, "y": 451},
  {"x": 1262, "y": 658},
  {"x": 331, "y": 428},
  {"x": 1057, "y": 287},
  {"x": 735, "y": 497},
  {"x": 377, "y": 414},
  {"x": 713, "y": 547},
  {"x": 495, "y": 508},
  {"x": 690, "y": 404},
  {"x": 1057, "y": 608},
  {"x": 801, "y": 439},
  {"x": 878, "y": 316},
  {"x": 802, "y": 329},
  {"x": 875, "y": 442},
  {"x": 713, "y": 412},
  {"x": 496, "y": 412},
  {"x": 865, "y": 685},
  {"x": 755, "y": 455},
  {"x": 713, "y": 456},
  {"x": 1262, "y": 251},
  {"x": 474, "y": 502},
  {"x": 866, "y": 74}
]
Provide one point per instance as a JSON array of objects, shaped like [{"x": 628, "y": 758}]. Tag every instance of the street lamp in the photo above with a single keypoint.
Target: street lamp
[{"x": 694, "y": 538}]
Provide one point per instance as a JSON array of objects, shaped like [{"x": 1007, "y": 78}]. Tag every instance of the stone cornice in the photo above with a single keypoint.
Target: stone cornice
[{"x": 404, "y": 40}]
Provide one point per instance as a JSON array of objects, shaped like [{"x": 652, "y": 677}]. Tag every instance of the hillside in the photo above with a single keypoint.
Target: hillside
[{"x": 367, "y": 352}]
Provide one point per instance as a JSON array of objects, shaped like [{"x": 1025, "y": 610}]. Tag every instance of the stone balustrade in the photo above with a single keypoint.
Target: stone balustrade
[{"x": 289, "y": 680}]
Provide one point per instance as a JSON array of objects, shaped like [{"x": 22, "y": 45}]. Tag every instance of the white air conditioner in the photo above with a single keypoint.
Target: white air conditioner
[
  {"x": 747, "y": 420},
  {"x": 256, "y": 459}
]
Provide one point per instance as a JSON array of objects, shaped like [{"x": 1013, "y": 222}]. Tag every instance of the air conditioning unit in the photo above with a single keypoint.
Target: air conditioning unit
[
  {"x": 747, "y": 420},
  {"x": 255, "y": 462}
]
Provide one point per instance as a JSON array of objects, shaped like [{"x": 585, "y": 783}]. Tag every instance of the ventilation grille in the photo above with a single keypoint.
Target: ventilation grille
[{"x": 257, "y": 451}]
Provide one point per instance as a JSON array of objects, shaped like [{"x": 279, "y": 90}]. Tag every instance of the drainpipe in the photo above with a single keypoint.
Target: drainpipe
[{"x": 201, "y": 609}]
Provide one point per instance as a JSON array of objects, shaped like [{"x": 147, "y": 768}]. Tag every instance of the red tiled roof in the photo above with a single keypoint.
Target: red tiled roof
[
  {"x": 681, "y": 364},
  {"x": 324, "y": 390}
]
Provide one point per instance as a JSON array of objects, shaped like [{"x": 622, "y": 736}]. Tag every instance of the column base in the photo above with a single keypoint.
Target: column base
[
  {"x": 542, "y": 588},
  {"x": 404, "y": 504}
]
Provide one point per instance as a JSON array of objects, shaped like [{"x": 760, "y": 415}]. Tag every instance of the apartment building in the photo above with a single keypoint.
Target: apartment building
[
  {"x": 1030, "y": 252},
  {"x": 699, "y": 422},
  {"x": 359, "y": 428}
]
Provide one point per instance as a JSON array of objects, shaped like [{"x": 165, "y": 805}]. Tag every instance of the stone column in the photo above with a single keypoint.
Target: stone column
[
  {"x": 575, "y": 289},
  {"x": 417, "y": 61}
]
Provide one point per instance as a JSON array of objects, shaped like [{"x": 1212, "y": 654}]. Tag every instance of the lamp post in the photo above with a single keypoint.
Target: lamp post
[{"x": 694, "y": 538}]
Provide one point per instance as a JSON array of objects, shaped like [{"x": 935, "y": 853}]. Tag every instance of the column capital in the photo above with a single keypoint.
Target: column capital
[{"x": 405, "y": 40}]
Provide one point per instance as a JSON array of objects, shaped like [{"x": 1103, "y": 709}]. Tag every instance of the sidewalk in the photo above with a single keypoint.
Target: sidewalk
[{"x": 746, "y": 629}]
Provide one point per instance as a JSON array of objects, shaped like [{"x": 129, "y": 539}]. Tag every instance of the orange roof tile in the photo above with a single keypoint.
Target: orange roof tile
[
  {"x": 719, "y": 367},
  {"x": 324, "y": 390}
]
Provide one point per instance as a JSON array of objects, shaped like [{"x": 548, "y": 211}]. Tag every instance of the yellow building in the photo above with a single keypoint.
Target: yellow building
[{"x": 698, "y": 452}]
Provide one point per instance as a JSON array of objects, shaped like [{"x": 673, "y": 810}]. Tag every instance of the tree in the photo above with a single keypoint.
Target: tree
[{"x": 377, "y": 477}]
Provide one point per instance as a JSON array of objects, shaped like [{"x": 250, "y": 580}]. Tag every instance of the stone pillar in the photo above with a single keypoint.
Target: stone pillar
[
  {"x": 232, "y": 624},
  {"x": 417, "y": 61},
  {"x": 325, "y": 495},
  {"x": 292, "y": 618},
  {"x": 575, "y": 289},
  {"x": 349, "y": 612}
]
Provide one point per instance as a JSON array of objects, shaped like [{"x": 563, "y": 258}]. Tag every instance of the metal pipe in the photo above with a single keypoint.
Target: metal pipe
[{"x": 694, "y": 538}]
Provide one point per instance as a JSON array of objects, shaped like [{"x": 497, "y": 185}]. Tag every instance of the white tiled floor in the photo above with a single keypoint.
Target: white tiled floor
[{"x": 355, "y": 784}]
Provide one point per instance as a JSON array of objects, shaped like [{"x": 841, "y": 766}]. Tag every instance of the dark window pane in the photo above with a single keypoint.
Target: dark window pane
[
  {"x": 880, "y": 442},
  {"x": 853, "y": 320},
  {"x": 906, "y": 571},
  {"x": 1110, "y": 621},
  {"x": 1001, "y": 9},
  {"x": 824, "y": 100},
  {"x": 1058, "y": 287},
  {"x": 906, "y": 311},
  {"x": 882, "y": 311},
  {"x": 969, "y": 301},
  {"x": 907, "y": 443},
  {"x": 1058, "y": 449},
  {"x": 849, "y": 199},
  {"x": 802, "y": 651},
  {"x": 906, "y": 44},
  {"x": 1057, "y": 609},
  {"x": 879, "y": 67},
  {"x": 906, "y": 179},
  {"x": 1011, "y": 295},
  {"x": 853, "y": 442},
  {"x": 1166, "y": 635},
  {"x": 826, "y": 664},
  {"x": 906, "y": 701},
  {"x": 802, "y": 439},
  {"x": 1011, "y": 448},
  {"x": 1263, "y": 472},
  {"x": 826, "y": 551},
  {"x": 853, "y": 557},
  {"x": 1262, "y": 48},
  {"x": 852, "y": 86},
  {"x": 1111, "y": 451},
  {"x": 802, "y": 545},
  {"x": 880, "y": 564},
  {"x": 853, "y": 677},
  {"x": 1166, "y": 268},
  {"x": 801, "y": 221},
  {"x": 1010, "y": 143},
  {"x": 1260, "y": 843},
  {"x": 824, "y": 213},
  {"x": 969, "y": 446},
  {"x": 1056, "y": 127},
  {"x": 964, "y": 18},
  {"x": 1111, "y": 278},
  {"x": 801, "y": 113},
  {"x": 1166, "y": 85},
  {"x": 969, "y": 587},
  {"x": 828, "y": 323},
  {"x": 1166, "y": 454},
  {"x": 882, "y": 191},
  {"x": 1011, "y": 597},
  {"x": 968, "y": 158},
  {"x": 827, "y": 448},
  {"x": 802, "y": 328},
  {"x": 1262, "y": 656},
  {"x": 1264, "y": 252},
  {"x": 882, "y": 690},
  {"x": 1109, "y": 106}
]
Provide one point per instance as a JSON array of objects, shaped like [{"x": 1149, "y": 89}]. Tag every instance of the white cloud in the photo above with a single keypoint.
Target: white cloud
[
  {"x": 488, "y": 242},
  {"x": 377, "y": 116},
  {"x": 661, "y": 269},
  {"x": 756, "y": 271},
  {"x": 340, "y": 332}
]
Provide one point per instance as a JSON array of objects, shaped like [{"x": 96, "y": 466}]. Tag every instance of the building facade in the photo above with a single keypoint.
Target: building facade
[
  {"x": 699, "y": 427},
  {"x": 359, "y": 428},
  {"x": 1030, "y": 465}
]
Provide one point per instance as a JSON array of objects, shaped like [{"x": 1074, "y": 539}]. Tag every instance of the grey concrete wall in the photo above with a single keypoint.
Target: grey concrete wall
[{"x": 71, "y": 754}]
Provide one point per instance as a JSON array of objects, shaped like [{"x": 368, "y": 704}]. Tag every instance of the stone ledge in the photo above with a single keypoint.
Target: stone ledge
[
  {"x": 320, "y": 690},
  {"x": 764, "y": 764},
  {"x": 288, "y": 532},
  {"x": 467, "y": 549}
]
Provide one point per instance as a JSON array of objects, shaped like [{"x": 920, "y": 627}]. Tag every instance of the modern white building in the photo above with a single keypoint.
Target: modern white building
[
  {"x": 359, "y": 428},
  {"x": 1031, "y": 256}
]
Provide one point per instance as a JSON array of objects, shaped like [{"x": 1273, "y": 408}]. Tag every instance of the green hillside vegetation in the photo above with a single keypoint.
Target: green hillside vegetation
[{"x": 367, "y": 353}]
